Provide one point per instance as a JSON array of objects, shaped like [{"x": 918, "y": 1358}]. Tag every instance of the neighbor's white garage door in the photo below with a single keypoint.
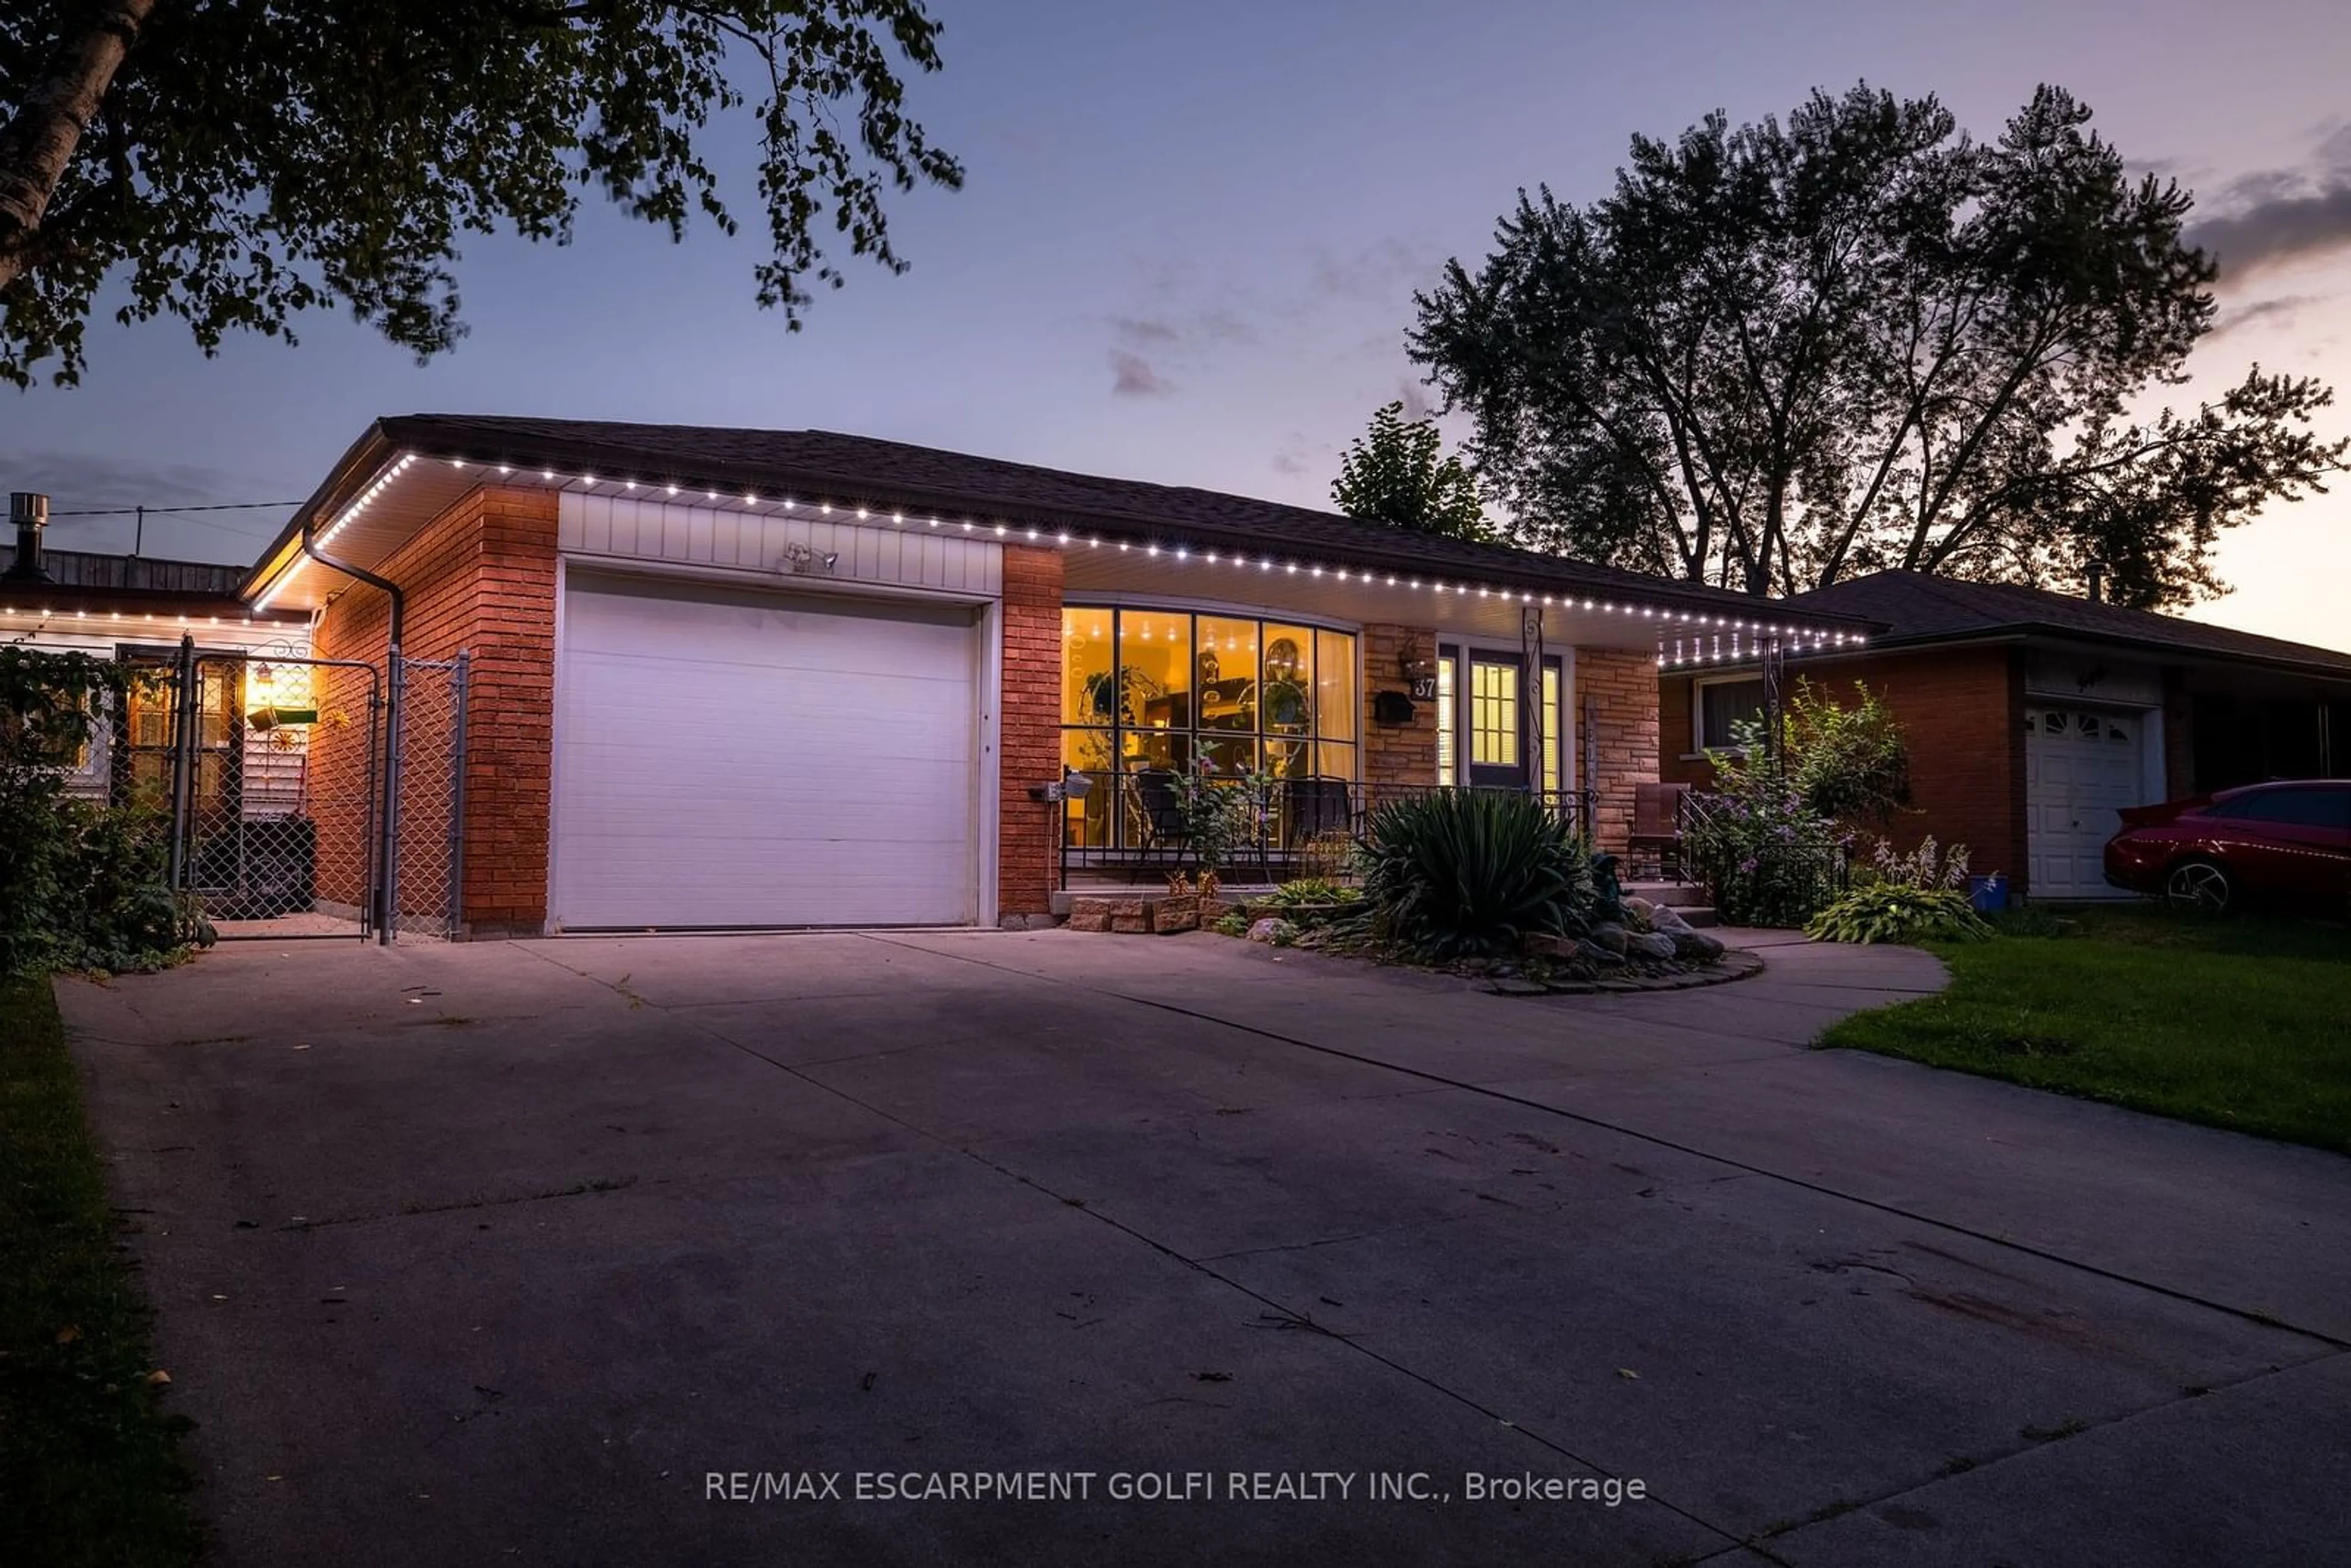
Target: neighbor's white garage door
[
  {"x": 729, "y": 757},
  {"x": 2082, "y": 766}
]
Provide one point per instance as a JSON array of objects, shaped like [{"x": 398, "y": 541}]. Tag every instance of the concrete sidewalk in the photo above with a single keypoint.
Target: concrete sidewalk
[{"x": 494, "y": 1252}]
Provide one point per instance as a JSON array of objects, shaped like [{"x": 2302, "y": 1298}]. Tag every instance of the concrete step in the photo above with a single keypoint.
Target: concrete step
[{"x": 1697, "y": 915}]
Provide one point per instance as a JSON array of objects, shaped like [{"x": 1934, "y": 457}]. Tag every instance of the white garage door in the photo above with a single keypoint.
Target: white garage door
[
  {"x": 728, "y": 757},
  {"x": 2082, "y": 766}
]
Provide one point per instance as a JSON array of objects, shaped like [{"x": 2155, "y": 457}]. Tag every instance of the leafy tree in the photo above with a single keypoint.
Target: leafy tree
[
  {"x": 1778, "y": 355},
  {"x": 237, "y": 162},
  {"x": 1399, "y": 473}
]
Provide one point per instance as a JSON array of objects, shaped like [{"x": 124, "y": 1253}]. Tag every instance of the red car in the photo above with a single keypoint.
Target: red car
[{"x": 2284, "y": 843}]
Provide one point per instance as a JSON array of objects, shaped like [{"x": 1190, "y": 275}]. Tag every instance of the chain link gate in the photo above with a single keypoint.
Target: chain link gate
[
  {"x": 428, "y": 799},
  {"x": 294, "y": 783}
]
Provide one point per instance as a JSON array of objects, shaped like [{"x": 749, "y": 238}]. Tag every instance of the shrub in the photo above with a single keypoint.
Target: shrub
[
  {"x": 1766, "y": 857},
  {"x": 1222, "y": 815},
  {"x": 82, "y": 884},
  {"x": 1849, "y": 763},
  {"x": 1464, "y": 873},
  {"x": 1893, "y": 912}
]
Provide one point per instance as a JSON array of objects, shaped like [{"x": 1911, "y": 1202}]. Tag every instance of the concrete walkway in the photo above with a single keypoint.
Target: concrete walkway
[{"x": 496, "y": 1252}]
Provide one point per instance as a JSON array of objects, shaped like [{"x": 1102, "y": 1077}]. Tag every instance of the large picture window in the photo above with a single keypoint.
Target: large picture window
[{"x": 1148, "y": 692}]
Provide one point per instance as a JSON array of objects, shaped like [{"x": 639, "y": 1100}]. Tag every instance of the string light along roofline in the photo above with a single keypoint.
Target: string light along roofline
[{"x": 1810, "y": 639}]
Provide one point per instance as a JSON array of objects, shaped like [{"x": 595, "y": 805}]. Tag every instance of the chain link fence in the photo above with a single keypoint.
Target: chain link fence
[
  {"x": 301, "y": 789},
  {"x": 428, "y": 801},
  {"x": 268, "y": 764}
]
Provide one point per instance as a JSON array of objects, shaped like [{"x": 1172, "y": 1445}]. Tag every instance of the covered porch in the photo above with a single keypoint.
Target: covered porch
[{"x": 1329, "y": 691}]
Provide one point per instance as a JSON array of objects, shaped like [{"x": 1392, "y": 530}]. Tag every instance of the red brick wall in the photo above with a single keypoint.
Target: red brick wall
[
  {"x": 1616, "y": 718},
  {"x": 1961, "y": 710},
  {"x": 2178, "y": 735},
  {"x": 481, "y": 577},
  {"x": 1030, "y": 726}
]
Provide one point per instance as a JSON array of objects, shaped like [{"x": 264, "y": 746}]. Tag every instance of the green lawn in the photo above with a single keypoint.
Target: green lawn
[
  {"x": 89, "y": 1468},
  {"x": 2239, "y": 1023}
]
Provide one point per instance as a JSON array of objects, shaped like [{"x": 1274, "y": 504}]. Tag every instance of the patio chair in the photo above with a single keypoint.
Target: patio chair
[
  {"x": 1155, "y": 817},
  {"x": 1657, "y": 826},
  {"x": 1312, "y": 807}
]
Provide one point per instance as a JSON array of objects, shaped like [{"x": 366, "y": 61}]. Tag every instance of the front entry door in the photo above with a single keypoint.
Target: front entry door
[{"x": 1497, "y": 721}]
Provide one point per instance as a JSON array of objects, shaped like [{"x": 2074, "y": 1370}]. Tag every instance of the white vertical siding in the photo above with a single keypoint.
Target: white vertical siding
[{"x": 621, "y": 527}]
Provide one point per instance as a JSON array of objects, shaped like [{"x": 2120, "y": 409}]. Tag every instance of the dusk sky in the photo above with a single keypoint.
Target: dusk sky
[{"x": 1190, "y": 236}]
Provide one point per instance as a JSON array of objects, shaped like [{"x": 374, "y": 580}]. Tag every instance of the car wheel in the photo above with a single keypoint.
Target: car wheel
[{"x": 2199, "y": 886}]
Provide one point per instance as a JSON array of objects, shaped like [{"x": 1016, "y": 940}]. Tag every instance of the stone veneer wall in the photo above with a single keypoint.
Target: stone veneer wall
[
  {"x": 1397, "y": 754},
  {"x": 1616, "y": 726}
]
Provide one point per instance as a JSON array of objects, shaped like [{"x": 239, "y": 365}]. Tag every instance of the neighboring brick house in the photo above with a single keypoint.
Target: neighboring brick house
[
  {"x": 139, "y": 609},
  {"x": 730, "y": 678},
  {"x": 2033, "y": 717}
]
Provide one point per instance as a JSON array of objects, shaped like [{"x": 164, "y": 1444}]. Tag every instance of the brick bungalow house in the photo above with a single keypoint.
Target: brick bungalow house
[
  {"x": 2032, "y": 716},
  {"x": 769, "y": 678}
]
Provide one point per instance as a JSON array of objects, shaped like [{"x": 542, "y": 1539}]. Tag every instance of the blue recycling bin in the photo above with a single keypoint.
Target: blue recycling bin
[{"x": 1988, "y": 894}]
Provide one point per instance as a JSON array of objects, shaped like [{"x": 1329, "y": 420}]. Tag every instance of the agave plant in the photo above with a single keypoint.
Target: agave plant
[{"x": 1461, "y": 873}]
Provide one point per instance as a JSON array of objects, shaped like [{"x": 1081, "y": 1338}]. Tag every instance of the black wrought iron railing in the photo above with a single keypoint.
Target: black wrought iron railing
[{"x": 1136, "y": 822}]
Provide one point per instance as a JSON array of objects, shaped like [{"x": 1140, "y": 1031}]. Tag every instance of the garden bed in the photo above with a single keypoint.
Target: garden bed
[{"x": 1613, "y": 959}]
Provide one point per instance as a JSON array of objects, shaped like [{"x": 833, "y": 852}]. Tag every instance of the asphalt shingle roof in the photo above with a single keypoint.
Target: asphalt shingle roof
[
  {"x": 1917, "y": 608},
  {"x": 823, "y": 464}
]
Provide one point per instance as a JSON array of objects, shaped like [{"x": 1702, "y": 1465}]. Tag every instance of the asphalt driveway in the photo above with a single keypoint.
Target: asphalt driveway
[{"x": 501, "y": 1253}]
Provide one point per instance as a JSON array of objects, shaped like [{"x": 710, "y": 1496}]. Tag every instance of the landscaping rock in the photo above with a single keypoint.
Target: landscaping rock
[
  {"x": 1640, "y": 908},
  {"x": 1130, "y": 924},
  {"x": 1543, "y": 945},
  {"x": 1176, "y": 912},
  {"x": 1666, "y": 918},
  {"x": 1592, "y": 953},
  {"x": 1090, "y": 915},
  {"x": 1280, "y": 932},
  {"x": 1615, "y": 938},
  {"x": 1696, "y": 947},
  {"x": 1649, "y": 945}
]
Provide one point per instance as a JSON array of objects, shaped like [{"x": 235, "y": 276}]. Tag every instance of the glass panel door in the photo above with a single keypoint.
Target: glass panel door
[{"x": 1496, "y": 756}]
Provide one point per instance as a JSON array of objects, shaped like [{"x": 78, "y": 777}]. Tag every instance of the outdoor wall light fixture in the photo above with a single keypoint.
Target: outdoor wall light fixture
[{"x": 1071, "y": 786}]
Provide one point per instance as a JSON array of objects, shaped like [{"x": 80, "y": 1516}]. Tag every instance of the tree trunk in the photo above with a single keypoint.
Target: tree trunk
[{"x": 36, "y": 146}]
